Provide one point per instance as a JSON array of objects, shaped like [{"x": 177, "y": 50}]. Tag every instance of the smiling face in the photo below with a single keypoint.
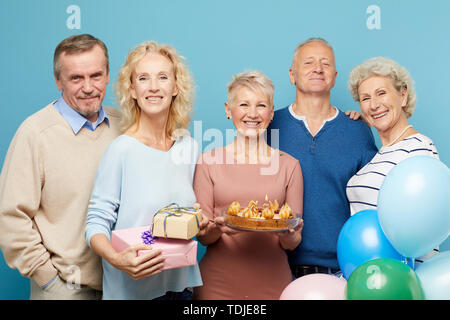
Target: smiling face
[
  {"x": 381, "y": 104},
  {"x": 153, "y": 84},
  {"x": 250, "y": 110},
  {"x": 83, "y": 78},
  {"x": 314, "y": 69}
]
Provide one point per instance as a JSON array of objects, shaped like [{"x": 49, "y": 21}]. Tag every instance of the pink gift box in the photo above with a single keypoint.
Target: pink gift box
[{"x": 178, "y": 252}]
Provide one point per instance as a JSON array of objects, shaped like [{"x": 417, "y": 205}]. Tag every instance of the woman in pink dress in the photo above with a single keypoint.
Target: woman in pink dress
[{"x": 244, "y": 264}]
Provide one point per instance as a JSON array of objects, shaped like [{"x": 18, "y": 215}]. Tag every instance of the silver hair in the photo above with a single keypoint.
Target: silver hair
[
  {"x": 385, "y": 67},
  {"x": 254, "y": 80},
  {"x": 301, "y": 44}
]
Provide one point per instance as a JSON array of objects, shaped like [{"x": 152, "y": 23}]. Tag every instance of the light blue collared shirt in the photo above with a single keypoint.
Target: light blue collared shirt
[{"x": 76, "y": 120}]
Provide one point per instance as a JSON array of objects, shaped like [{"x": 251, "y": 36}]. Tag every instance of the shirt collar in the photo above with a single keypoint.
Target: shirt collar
[
  {"x": 76, "y": 120},
  {"x": 303, "y": 118}
]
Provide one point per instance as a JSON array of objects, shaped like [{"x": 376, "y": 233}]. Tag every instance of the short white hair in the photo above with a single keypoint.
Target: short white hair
[
  {"x": 385, "y": 67},
  {"x": 307, "y": 41},
  {"x": 254, "y": 80}
]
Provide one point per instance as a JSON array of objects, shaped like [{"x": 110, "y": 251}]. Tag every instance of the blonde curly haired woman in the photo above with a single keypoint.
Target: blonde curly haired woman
[{"x": 146, "y": 168}]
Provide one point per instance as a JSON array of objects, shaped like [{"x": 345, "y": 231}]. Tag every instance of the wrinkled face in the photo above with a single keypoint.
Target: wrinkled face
[
  {"x": 381, "y": 103},
  {"x": 83, "y": 79},
  {"x": 154, "y": 84},
  {"x": 250, "y": 110},
  {"x": 314, "y": 70}
]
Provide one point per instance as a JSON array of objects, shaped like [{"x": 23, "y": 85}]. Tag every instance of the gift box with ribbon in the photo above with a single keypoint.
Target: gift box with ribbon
[
  {"x": 178, "y": 253},
  {"x": 177, "y": 222}
]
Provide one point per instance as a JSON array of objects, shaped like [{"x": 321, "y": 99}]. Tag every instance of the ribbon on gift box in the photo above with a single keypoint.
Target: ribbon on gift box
[
  {"x": 174, "y": 210},
  {"x": 147, "y": 237}
]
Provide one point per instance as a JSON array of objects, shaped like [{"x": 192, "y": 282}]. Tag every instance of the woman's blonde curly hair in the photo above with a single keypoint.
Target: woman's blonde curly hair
[
  {"x": 182, "y": 103},
  {"x": 381, "y": 66}
]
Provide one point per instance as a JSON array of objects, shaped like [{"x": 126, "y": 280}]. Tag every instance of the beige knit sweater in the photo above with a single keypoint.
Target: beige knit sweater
[{"x": 45, "y": 187}]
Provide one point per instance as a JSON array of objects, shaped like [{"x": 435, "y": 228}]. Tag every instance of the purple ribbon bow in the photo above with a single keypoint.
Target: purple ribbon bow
[{"x": 147, "y": 237}]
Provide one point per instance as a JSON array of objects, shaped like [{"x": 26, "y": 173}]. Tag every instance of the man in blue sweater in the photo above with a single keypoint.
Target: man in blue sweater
[{"x": 331, "y": 148}]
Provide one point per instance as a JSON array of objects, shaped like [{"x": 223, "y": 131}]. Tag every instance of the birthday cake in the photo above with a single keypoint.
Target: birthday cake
[{"x": 268, "y": 217}]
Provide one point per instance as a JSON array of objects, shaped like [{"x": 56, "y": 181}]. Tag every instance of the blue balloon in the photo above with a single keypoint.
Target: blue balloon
[
  {"x": 361, "y": 239},
  {"x": 434, "y": 276},
  {"x": 414, "y": 205}
]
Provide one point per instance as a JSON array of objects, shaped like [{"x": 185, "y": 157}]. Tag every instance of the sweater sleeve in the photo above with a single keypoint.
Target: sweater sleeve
[
  {"x": 204, "y": 188},
  {"x": 105, "y": 199},
  {"x": 294, "y": 190},
  {"x": 194, "y": 159},
  {"x": 21, "y": 181}
]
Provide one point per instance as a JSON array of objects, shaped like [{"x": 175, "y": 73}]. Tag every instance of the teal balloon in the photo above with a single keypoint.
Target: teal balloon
[
  {"x": 384, "y": 279},
  {"x": 434, "y": 275},
  {"x": 414, "y": 205}
]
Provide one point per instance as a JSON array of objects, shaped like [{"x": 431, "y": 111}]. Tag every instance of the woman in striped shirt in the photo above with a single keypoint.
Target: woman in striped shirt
[{"x": 386, "y": 95}]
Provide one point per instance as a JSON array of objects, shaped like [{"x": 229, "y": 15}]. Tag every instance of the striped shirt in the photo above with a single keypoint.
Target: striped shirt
[{"x": 362, "y": 189}]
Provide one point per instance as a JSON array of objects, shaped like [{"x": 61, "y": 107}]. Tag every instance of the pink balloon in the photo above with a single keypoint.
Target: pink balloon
[{"x": 317, "y": 286}]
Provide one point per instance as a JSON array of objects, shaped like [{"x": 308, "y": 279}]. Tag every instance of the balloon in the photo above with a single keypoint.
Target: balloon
[
  {"x": 316, "y": 286},
  {"x": 414, "y": 205},
  {"x": 384, "y": 279},
  {"x": 361, "y": 239},
  {"x": 434, "y": 275}
]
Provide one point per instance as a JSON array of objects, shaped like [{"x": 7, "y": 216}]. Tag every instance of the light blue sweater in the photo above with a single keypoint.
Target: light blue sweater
[{"x": 133, "y": 181}]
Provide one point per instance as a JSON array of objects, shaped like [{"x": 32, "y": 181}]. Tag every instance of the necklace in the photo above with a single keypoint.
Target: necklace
[{"x": 398, "y": 137}]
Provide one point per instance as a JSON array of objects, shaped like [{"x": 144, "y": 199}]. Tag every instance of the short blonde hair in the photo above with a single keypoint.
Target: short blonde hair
[
  {"x": 182, "y": 103},
  {"x": 381, "y": 66},
  {"x": 254, "y": 80}
]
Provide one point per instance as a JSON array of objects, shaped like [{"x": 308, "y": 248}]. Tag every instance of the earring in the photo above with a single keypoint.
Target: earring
[{"x": 228, "y": 117}]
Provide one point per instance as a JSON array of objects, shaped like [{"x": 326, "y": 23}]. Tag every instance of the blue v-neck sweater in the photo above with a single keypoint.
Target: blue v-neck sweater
[{"x": 328, "y": 160}]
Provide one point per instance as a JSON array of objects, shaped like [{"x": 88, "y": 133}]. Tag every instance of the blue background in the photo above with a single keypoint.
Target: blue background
[{"x": 221, "y": 38}]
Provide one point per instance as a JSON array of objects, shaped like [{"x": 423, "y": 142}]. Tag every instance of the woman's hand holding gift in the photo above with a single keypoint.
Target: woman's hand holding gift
[{"x": 139, "y": 266}]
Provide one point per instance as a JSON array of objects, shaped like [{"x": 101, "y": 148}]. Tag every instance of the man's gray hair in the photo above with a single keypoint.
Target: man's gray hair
[{"x": 313, "y": 39}]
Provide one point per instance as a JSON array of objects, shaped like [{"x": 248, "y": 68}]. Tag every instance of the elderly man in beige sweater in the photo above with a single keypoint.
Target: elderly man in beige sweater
[{"x": 48, "y": 175}]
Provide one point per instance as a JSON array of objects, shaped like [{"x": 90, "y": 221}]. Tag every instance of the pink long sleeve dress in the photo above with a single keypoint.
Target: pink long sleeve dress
[{"x": 246, "y": 265}]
